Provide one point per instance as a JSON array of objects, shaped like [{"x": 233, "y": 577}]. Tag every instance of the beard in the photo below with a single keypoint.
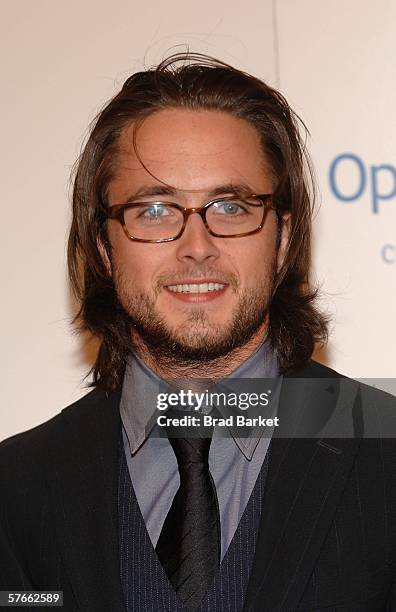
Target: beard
[{"x": 196, "y": 340}]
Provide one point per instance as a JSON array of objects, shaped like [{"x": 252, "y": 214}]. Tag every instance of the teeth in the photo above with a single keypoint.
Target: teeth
[{"x": 202, "y": 288}]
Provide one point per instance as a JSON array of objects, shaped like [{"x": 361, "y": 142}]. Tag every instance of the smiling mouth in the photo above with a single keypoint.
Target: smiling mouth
[{"x": 196, "y": 288}]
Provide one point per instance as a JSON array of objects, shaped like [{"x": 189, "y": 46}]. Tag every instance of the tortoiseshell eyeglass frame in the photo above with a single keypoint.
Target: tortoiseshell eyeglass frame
[{"x": 116, "y": 211}]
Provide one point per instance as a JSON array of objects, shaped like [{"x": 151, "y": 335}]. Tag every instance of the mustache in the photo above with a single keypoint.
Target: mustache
[{"x": 178, "y": 277}]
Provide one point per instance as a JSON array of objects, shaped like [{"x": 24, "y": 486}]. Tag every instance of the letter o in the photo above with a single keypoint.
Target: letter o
[
  {"x": 333, "y": 182},
  {"x": 392, "y": 249}
]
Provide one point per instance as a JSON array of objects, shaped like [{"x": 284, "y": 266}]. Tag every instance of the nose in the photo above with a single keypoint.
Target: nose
[{"x": 196, "y": 243}]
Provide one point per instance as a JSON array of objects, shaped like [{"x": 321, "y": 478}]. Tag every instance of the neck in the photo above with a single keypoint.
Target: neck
[{"x": 171, "y": 367}]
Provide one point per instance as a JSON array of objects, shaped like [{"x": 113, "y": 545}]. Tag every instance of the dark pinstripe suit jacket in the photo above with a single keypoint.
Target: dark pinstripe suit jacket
[{"x": 327, "y": 538}]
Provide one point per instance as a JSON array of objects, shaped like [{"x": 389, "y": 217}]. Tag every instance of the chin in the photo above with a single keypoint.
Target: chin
[
  {"x": 195, "y": 334},
  {"x": 190, "y": 329},
  {"x": 202, "y": 344}
]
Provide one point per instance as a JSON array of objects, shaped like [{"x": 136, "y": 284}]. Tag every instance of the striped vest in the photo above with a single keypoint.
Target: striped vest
[{"x": 145, "y": 584}]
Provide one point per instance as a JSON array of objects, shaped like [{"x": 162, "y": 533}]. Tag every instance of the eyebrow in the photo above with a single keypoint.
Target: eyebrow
[{"x": 164, "y": 190}]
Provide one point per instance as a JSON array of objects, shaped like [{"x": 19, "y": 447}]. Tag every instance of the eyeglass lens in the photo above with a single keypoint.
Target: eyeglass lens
[{"x": 160, "y": 220}]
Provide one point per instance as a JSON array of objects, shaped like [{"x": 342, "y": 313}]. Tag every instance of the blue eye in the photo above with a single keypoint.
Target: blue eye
[
  {"x": 155, "y": 211},
  {"x": 229, "y": 209}
]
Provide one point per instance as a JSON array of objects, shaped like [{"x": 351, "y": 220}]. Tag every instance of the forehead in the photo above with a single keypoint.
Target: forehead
[{"x": 190, "y": 151}]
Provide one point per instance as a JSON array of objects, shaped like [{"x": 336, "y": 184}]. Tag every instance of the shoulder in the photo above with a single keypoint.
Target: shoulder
[
  {"x": 314, "y": 370},
  {"x": 39, "y": 434},
  {"x": 30, "y": 461},
  {"x": 357, "y": 408},
  {"x": 368, "y": 390},
  {"x": 35, "y": 444}
]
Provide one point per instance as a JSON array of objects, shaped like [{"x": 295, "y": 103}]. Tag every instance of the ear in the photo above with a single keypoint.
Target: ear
[
  {"x": 104, "y": 255},
  {"x": 285, "y": 222}
]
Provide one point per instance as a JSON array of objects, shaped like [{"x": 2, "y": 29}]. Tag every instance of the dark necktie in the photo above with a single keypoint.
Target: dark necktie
[{"x": 189, "y": 543}]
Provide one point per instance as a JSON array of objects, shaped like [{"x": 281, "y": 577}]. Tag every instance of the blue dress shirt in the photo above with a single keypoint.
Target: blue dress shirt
[{"x": 234, "y": 462}]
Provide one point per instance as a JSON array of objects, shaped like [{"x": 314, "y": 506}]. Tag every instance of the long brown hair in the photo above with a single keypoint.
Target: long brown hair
[{"x": 194, "y": 81}]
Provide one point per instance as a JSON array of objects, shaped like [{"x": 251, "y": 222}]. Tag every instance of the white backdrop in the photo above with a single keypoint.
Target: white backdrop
[{"x": 334, "y": 61}]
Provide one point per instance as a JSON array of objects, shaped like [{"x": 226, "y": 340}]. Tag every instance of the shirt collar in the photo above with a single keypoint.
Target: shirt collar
[{"x": 138, "y": 406}]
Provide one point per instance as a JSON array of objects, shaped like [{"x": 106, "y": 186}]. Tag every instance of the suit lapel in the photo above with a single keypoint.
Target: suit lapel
[
  {"x": 86, "y": 478},
  {"x": 305, "y": 480}
]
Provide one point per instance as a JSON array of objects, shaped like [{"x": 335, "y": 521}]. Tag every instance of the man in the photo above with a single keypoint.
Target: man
[{"x": 189, "y": 253}]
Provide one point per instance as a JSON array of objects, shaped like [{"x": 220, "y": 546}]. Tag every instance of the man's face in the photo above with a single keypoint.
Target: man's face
[{"x": 195, "y": 154}]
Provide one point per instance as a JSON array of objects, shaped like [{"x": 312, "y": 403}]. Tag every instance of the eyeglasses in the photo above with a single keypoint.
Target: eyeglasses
[{"x": 226, "y": 217}]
